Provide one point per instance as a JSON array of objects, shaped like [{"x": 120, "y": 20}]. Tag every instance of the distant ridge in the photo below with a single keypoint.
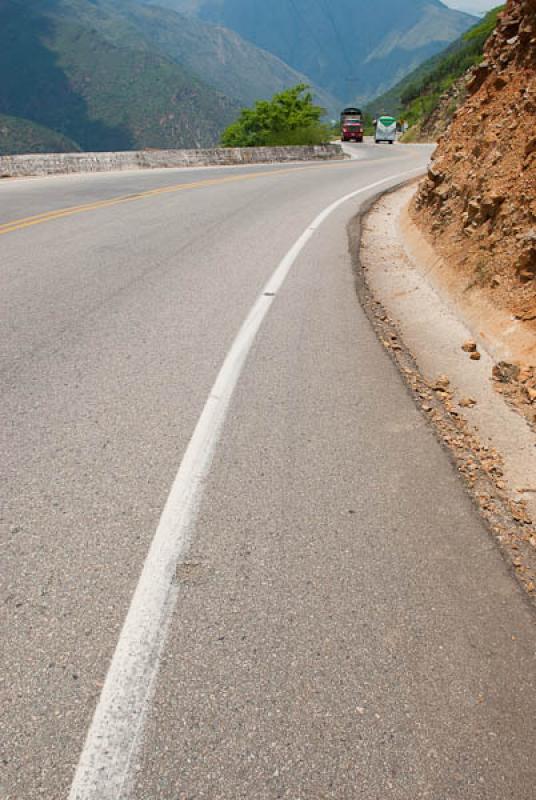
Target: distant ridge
[{"x": 352, "y": 49}]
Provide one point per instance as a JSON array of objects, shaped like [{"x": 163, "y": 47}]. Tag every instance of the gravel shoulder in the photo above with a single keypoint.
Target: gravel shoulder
[{"x": 425, "y": 323}]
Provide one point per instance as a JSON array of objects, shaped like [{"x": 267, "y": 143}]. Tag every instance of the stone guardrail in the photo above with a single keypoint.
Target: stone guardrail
[{"x": 65, "y": 163}]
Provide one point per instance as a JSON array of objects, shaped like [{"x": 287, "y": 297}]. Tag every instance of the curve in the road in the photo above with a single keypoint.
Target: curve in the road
[
  {"x": 105, "y": 760},
  {"x": 20, "y": 224}
]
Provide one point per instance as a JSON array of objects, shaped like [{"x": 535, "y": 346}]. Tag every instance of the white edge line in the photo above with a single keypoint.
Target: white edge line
[{"x": 116, "y": 726}]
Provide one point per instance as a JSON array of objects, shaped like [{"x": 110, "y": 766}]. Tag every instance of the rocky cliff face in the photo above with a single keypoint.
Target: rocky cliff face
[{"x": 479, "y": 199}]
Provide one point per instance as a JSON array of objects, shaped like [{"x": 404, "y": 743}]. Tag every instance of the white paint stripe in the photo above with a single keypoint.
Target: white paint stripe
[{"x": 105, "y": 760}]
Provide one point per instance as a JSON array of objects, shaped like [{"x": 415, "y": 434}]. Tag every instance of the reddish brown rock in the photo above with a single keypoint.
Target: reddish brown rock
[
  {"x": 480, "y": 194},
  {"x": 469, "y": 346}
]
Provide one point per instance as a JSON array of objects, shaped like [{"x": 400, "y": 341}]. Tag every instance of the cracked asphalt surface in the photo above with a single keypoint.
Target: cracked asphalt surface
[{"x": 345, "y": 625}]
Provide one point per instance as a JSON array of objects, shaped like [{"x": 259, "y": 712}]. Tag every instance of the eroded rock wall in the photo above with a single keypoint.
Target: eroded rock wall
[{"x": 478, "y": 202}]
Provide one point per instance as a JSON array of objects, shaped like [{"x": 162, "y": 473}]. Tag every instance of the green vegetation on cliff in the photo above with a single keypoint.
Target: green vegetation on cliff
[{"x": 417, "y": 96}]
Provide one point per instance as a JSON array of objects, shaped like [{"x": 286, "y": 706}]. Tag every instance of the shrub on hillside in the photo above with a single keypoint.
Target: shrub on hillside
[{"x": 289, "y": 118}]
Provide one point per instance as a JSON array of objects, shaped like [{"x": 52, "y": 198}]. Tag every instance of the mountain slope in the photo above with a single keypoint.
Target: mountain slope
[
  {"x": 429, "y": 95},
  {"x": 225, "y": 61},
  {"x": 61, "y": 69},
  {"x": 22, "y": 136},
  {"x": 351, "y": 48}
]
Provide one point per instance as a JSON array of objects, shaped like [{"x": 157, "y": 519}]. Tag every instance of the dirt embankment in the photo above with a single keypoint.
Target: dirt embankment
[{"x": 478, "y": 202}]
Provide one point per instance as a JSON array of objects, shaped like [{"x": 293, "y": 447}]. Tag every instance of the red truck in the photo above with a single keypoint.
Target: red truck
[{"x": 351, "y": 125}]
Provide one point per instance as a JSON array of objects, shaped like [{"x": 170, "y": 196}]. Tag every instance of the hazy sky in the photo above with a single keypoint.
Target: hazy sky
[{"x": 472, "y": 6}]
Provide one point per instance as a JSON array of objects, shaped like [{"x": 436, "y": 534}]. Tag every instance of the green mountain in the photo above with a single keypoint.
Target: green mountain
[
  {"x": 418, "y": 96},
  {"x": 22, "y": 136},
  {"x": 353, "y": 49},
  {"x": 119, "y": 75},
  {"x": 66, "y": 66}
]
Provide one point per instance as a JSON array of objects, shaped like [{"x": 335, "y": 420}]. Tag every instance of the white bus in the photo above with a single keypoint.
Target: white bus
[{"x": 385, "y": 130}]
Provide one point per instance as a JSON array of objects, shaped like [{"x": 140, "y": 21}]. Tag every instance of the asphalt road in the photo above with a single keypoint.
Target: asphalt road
[{"x": 340, "y": 623}]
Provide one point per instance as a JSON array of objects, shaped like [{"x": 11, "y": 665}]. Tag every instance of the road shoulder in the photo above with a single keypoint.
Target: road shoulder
[{"x": 424, "y": 329}]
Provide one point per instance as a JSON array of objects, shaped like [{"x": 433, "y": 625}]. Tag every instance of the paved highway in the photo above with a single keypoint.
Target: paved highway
[{"x": 235, "y": 562}]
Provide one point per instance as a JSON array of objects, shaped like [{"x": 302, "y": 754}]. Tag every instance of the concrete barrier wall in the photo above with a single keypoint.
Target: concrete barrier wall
[{"x": 64, "y": 163}]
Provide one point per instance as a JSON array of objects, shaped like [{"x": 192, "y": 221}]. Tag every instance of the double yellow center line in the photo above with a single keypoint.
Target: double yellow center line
[{"x": 48, "y": 216}]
